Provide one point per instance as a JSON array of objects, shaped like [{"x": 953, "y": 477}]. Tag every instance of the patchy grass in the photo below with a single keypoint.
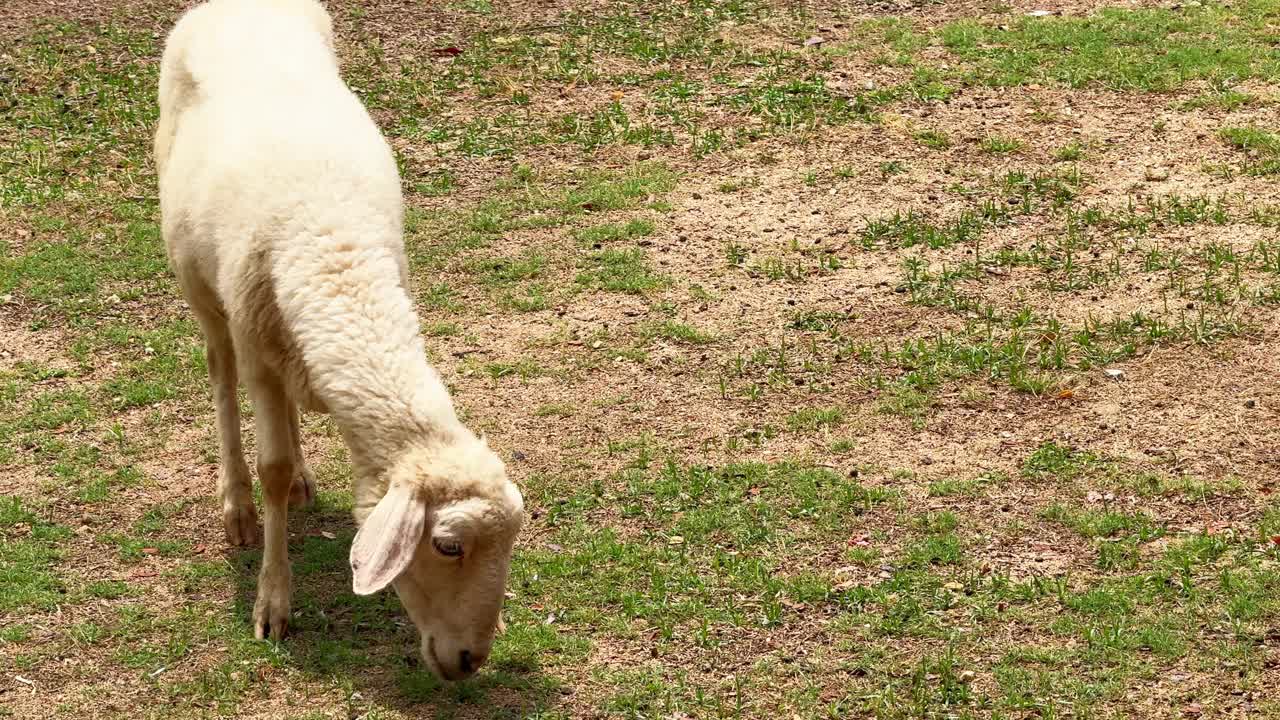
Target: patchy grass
[
  {"x": 820, "y": 385},
  {"x": 1152, "y": 49},
  {"x": 1000, "y": 145},
  {"x": 934, "y": 139},
  {"x": 680, "y": 332},
  {"x": 1262, "y": 145},
  {"x": 814, "y": 418},
  {"x": 625, "y": 271},
  {"x": 1071, "y": 152},
  {"x": 27, "y": 559}
]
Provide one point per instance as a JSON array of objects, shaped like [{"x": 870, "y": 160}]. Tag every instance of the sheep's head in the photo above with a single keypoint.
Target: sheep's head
[{"x": 442, "y": 536}]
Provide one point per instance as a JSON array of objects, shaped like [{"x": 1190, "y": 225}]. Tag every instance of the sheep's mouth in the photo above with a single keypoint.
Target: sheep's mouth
[{"x": 436, "y": 666}]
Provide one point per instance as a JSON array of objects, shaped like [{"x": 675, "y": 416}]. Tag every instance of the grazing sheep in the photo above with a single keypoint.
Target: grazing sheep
[{"x": 281, "y": 213}]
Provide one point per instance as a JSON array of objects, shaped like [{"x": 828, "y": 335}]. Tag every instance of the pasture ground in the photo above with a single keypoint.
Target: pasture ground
[{"x": 924, "y": 369}]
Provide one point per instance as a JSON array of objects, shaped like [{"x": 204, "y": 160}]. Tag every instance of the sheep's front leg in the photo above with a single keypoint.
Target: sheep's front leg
[{"x": 276, "y": 470}]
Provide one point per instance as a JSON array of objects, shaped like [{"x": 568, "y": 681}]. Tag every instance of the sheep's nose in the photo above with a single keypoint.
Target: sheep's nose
[{"x": 468, "y": 662}]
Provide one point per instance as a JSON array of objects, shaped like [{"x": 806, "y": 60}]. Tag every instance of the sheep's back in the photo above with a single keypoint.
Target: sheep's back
[{"x": 270, "y": 155}]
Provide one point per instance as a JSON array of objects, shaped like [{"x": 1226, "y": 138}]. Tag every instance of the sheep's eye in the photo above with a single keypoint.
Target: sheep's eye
[{"x": 448, "y": 548}]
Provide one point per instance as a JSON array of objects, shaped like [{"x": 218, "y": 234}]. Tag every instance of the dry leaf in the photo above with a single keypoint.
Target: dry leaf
[{"x": 862, "y": 540}]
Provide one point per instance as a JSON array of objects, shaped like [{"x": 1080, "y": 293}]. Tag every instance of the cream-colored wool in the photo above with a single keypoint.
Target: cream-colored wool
[{"x": 282, "y": 216}]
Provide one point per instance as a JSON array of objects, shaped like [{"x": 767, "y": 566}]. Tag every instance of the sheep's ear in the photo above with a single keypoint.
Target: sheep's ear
[{"x": 387, "y": 541}]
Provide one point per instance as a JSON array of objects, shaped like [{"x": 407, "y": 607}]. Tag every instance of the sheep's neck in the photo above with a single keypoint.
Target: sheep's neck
[
  {"x": 377, "y": 442},
  {"x": 372, "y": 478},
  {"x": 386, "y": 399},
  {"x": 359, "y": 337}
]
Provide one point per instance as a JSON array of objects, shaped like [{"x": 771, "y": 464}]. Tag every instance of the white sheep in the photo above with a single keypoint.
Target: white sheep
[{"x": 282, "y": 216}]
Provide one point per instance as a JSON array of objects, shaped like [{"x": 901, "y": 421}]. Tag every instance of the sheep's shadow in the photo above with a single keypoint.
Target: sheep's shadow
[{"x": 368, "y": 643}]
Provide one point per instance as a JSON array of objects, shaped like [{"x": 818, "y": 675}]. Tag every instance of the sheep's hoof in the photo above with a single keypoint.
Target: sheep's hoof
[
  {"x": 273, "y": 629},
  {"x": 303, "y": 490},
  {"x": 271, "y": 611},
  {"x": 241, "y": 523}
]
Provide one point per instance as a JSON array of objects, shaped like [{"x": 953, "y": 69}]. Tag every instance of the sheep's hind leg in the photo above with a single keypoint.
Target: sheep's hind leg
[
  {"x": 235, "y": 487},
  {"x": 303, "y": 490},
  {"x": 276, "y": 471}
]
